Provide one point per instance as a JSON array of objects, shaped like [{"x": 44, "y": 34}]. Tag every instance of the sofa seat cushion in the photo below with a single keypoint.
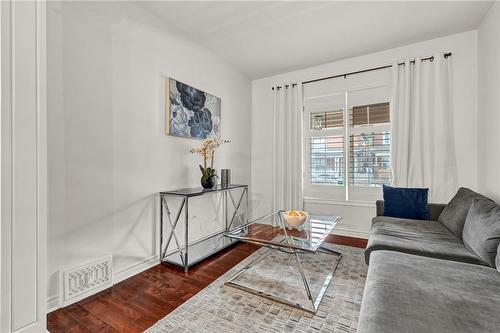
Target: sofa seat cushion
[
  {"x": 408, "y": 293},
  {"x": 425, "y": 238}
]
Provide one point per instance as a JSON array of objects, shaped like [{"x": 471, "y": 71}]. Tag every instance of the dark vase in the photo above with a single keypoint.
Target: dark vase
[{"x": 209, "y": 183}]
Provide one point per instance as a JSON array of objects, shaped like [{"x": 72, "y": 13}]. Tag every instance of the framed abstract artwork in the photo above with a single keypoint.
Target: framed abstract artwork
[{"x": 190, "y": 112}]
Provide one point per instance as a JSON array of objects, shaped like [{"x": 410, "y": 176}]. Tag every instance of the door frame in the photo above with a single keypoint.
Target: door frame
[{"x": 33, "y": 31}]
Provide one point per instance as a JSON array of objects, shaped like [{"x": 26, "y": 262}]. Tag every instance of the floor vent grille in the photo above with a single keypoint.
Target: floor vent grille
[{"x": 84, "y": 280}]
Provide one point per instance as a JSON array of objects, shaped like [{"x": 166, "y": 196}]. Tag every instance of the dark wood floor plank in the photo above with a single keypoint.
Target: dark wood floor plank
[
  {"x": 93, "y": 323},
  {"x": 349, "y": 241},
  {"x": 150, "y": 310},
  {"x": 126, "y": 291},
  {"x": 136, "y": 303},
  {"x": 155, "y": 302},
  {"x": 60, "y": 322},
  {"x": 115, "y": 313}
]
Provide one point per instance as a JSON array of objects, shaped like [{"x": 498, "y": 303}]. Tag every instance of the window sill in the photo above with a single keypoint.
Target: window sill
[{"x": 352, "y": 203}]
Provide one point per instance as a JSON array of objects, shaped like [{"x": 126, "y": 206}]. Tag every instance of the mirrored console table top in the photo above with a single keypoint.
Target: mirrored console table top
[{"x": 196, "y": 191}]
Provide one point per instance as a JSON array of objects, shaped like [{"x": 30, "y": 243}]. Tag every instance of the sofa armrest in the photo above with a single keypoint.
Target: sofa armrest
[
  {"x": 380, "y": 207},
  {"x": 435, "y": 209}
]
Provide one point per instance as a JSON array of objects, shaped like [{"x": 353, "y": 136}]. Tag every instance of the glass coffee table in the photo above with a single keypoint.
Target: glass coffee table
[{"x": 296, "y": 246}]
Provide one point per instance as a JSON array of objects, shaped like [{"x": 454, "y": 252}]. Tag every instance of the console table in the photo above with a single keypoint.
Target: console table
[{"x": 176, "y": 245}]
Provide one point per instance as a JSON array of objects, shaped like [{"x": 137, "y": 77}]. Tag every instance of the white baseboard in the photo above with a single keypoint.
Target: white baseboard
[
  {"x": 350, "y": 233},
  {"x": 54, "y": 302},
  {"x": 135, "y": 269}
]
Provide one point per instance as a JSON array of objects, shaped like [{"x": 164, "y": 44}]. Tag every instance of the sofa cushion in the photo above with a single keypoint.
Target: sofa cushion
[
  {"x": 426, "y": 238},
  {"x": 482, "y": 230},
  {"x": 408, "y": 293},
  {"x": 455, "y": 213},
  {"x": 497, "y": 262},
  {"x": 410, "y": 203}
]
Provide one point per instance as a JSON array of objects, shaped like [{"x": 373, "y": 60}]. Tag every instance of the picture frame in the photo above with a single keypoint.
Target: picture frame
[{"x": 191, "y": 112}]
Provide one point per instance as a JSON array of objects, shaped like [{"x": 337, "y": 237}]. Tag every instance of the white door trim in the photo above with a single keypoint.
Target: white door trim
[{"x": 23, "y": 23}]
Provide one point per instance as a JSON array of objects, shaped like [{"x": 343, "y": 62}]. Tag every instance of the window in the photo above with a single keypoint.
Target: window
[
  {"x": 369, "y": 114},
  {"x": 369, "y": 159},
  {"x": 327, "y": 160},
  {"x": 369, "y": 145},
  {"x": 347, "y": 144},
  {"x": 326, "y": 147},
  {"x": 327, "y": 119}
]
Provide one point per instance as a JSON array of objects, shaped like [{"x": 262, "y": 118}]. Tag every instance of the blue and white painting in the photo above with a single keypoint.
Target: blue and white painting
[{"x": 192, "y": 113}]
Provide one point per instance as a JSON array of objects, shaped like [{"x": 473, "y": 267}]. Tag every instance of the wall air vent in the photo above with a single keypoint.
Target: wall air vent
[{"x": 84, "y": 280}]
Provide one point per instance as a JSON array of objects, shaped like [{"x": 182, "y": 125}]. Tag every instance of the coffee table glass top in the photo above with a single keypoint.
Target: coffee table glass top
[{"x": 308, "y": 237}]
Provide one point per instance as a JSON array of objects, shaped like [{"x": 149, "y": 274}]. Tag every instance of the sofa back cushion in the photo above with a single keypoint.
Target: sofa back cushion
[
  {"x": 434, "y": 209},
  {"x": 482, "y": 230},
  {"x": 455, "y": 213},
  {"x": 409, "y": 203},
  {"x": 498, "y": 259}
]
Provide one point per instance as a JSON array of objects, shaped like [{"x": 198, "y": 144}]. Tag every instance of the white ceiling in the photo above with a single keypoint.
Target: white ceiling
[{"x": 263, "y": 38}]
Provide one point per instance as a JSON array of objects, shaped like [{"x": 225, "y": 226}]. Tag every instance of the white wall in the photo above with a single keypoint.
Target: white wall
[
  {"x": 108, "y": 154},
  {"x": 356, "y": 219},
  {"x": 489, "y": 104}
]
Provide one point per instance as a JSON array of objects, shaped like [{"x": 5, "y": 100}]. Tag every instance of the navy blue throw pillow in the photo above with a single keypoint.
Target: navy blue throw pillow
[{"x": 408, "y": 203}]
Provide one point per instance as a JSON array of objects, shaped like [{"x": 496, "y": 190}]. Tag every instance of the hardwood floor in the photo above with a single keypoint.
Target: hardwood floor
[{"x": 137, "y": 303}]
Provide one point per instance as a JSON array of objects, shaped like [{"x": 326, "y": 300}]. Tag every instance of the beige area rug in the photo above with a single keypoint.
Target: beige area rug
[{"x": 219, "y": 308}]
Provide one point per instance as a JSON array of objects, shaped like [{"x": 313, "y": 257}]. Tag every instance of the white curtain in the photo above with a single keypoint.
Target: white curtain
[
  {"x": 287, "y": 148},
  {"x": 422, "y": 130}
]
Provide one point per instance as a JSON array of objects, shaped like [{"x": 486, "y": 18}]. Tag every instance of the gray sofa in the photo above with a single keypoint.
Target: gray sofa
[
  {"x": 428, "y": 238},
  {"x": 422, "y": 277}
]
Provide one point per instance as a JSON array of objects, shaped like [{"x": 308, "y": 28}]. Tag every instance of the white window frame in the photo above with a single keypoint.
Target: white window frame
[
  {"x": 329, "y": 191},
  {"x": 321, "y": 104}
]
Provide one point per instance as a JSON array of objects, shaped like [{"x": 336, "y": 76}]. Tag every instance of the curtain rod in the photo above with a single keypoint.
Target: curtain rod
[
  {"x": 286, "y": 86},
  {"x": 431, "y": 59}
]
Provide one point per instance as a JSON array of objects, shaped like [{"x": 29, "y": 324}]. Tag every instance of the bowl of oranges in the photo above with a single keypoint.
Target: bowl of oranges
[{"x": 295, "y": 218}]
